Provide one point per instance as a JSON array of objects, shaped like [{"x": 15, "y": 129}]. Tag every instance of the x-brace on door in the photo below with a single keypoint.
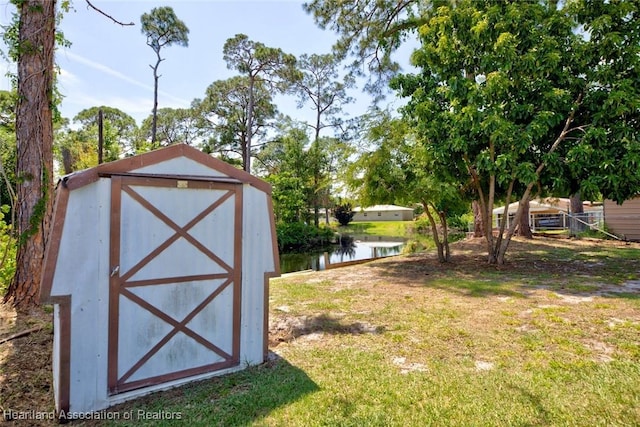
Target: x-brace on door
[{"x": 175, "y": 279}]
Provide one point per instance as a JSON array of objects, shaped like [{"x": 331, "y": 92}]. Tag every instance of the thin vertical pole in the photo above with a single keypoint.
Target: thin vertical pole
[{"x": 100, "y": 137}]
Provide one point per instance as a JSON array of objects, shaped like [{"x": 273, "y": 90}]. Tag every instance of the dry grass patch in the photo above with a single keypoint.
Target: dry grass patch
[
  {"x": 559, "y": 312},
  {"x": 25, "y": 363}
]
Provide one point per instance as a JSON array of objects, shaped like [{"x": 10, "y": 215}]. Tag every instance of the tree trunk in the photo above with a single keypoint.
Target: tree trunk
[
  {"x": 34, "y": 137},
  {"x": 497, "y": 247},
  {"x": 442, "y": 257},
  {"x": 315, "y": 198},
  {"x": 445, "y": 236},
  {"x": 477, "y": 220},
  {"x": 67, "y": 160},
  {"x": 576, "y": 203},
  {"x": 246, "y": 149},
  {"x": 577, "y": 211},
  {"x": 504, "y": 245},
  {"x": 524, "y": 227},
  {"x": 154, "y": 118}
]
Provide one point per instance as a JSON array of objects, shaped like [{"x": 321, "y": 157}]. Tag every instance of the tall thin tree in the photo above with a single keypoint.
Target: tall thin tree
[
  {"x": 34, "y": 53},
  {"x": 274, "y": 68},
  {"x": 322, "y": 87},
  {"x": 162, "y": 28}
]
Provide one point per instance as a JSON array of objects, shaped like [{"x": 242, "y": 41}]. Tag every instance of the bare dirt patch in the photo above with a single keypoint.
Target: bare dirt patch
[
  {"x": 537, "y": 270},
  {"x": 25, "y": 364}
]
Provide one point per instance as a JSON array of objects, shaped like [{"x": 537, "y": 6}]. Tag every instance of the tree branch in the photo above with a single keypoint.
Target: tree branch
[
  {"x": 108, "y": 16},
  {"x": 22, "y": 334},
  {"x": 563, "y": 134}
]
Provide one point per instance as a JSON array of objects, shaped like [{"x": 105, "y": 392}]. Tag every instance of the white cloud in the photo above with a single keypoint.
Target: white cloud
[
  {"x": 123, "y": 77},
  {"x": 66, "y": 78}
]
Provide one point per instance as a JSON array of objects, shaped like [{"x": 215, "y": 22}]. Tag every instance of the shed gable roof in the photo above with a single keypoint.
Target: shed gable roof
[{"x": 141, "y": 164}]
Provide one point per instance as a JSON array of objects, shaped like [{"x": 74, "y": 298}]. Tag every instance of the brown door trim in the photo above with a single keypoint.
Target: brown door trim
[{"x": 119, "y": 281}]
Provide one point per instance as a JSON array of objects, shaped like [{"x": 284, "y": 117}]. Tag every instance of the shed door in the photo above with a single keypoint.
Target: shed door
[{"x": 174, "y": 297}]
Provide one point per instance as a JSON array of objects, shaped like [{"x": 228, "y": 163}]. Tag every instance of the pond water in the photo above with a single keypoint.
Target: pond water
[{"x": 352, "y": 248}]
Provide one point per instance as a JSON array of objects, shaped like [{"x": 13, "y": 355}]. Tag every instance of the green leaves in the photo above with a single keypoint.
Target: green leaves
[
  {"x": 163, "y": 28},
  {"x": 369, "y": 31},
  {"x": 222, "y": 114},
  {"x": 255, "y": 59},
  {"x": 260, "y": 64}
]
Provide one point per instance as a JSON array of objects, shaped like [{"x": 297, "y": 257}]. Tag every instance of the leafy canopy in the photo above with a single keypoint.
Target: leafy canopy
[
  {"x": 163, "y": 28},
  {"x": 507, "y": 89}
]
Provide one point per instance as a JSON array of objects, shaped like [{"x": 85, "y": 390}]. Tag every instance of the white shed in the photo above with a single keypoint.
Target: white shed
[{"x": 158, "y": 267}]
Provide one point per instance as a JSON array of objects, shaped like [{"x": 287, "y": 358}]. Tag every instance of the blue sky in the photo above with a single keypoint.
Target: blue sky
[{"x": 109, "y": 65}]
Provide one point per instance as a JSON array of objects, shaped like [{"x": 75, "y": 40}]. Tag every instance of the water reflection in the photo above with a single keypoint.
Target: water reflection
[{"x": 350, "y": 248}]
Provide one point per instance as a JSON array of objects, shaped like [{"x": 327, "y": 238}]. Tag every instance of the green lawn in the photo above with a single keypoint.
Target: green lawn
[
  {"x": 551, "y": 339},
  {"x": 377, "y": 228}
]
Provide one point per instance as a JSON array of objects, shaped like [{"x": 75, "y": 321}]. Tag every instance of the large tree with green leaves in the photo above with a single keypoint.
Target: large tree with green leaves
[
  {"x": 285, "y": 164},
  {"x": 173, "y": 126},
  {"x": 398, "y": 168},
  {"x": 606, "y": 158},
  {"x": 509, "y": 91},
  {"x": 325, "y": 90},
  {"x": 78, "y": 148},
  {"x": 162, "y": 28},
  {"x": 328, "y": 159},
  {"x": 119, "y": 130},
  {"x": 260, "y": 64},
  {"x": 223, "y": 116}
]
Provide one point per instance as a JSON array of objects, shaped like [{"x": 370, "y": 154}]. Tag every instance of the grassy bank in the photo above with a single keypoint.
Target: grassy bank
[
  {"x": 550, "y": 339},
  {"x": 378, "y": 228}
]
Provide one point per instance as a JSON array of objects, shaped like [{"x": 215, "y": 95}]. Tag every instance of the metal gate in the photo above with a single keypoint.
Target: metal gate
[{"x": 174, "y": 288}]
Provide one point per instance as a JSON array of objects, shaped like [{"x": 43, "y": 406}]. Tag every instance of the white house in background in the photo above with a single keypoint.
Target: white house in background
[
  {"x": 383, "y": 213},
  {"x": 623, "y": 220},
  {"x": 551, "y": 213}
]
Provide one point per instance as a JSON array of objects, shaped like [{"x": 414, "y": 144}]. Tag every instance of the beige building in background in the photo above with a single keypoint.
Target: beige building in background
[{"x": 383, "y": 213}]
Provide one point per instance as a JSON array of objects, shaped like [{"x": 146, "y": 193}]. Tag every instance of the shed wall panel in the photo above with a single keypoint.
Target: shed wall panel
[
  {"x": 85, "y": 240},
  {"x": 624, "y": 219},
  {"x": 258, "y": 259},
  {"x": 56, "y": 352}
]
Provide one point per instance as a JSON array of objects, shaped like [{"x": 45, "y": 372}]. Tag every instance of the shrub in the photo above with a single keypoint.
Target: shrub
[
  {"x": 8, "y": 247},
  {"x": 422, "y": 225},
  {"x": 413, "y": 246},
  {"x": 460, "y": 222},
  {"x": 297, "y": 236},
  {"x": 344, "y": 213}
]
